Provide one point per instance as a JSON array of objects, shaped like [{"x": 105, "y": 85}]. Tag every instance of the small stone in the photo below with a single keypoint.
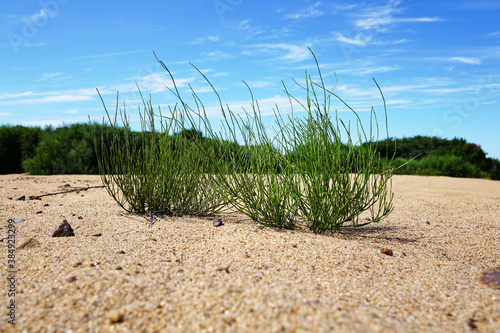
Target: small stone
[
  {"x": 29, "y": 244},
  {"x": 120, "y": 252},
  {"x": 386, "y": 251},
  {"x": 119, "y": 268},
  {"x": 472, "y": 323},
  {"x": 46, "y": 205},
  {"x": 64, "y": 230},
  {"x": 218, "y": 223},
  {"x": 97, "y": 234},
  {"x": 491, "y": 277},
  {"x": 19, "y": 220},
  {"x": 78, "y": 263},
  {"x": 115, "y": 317},
  {"x": 21, "y": 198},
  {"x": 39, "y": 212},
  {"x": 427, "y": 221},
  {"x": 71, "y": 278},
  {"x": 223, "y": 268}
]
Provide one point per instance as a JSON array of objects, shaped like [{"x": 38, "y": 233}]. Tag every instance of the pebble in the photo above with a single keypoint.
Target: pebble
[
  {"x": 218, "y": 223},
  {"x": 78, "y": 263},
  {"x": 21, "y": 198},
  {"x": 491, "y": 277},
  {"x": 19, "y": 220},
  {"x": 97, "y": 234},
  {"x": 29, "y": 244},
  {"x": 71, "y": 278},
  {"x": 64, "y": 230},
  {"x": 387, "y": 251},
  {"x": 115, "y": 317}
]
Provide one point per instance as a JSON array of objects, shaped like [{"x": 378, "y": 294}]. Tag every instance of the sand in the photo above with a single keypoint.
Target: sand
[{"x": 182, "y": 274}]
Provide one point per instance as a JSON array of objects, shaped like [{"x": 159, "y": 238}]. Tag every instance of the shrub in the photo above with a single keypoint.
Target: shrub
[
  {"x": 17, "y": 143},
  {"x": 65, "y": 150}
]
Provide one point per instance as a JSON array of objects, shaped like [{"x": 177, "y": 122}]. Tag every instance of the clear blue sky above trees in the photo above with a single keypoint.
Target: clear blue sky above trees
[{"x": 436, "y": 62}]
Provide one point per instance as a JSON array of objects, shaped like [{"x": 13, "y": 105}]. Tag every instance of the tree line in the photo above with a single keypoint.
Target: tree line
[{"x": 69, "y": 149}]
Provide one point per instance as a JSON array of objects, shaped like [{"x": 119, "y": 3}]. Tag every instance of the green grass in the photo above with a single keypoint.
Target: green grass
[{"x": 311, "y": 171}]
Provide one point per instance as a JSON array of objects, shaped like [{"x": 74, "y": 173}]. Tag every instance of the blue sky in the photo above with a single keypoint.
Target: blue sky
[{"x": 437, "y": 62}]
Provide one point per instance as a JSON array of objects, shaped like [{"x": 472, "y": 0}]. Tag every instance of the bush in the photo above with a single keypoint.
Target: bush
[
  {"x": 17, "y": 143},
  {"x": 65, "y": 150}
]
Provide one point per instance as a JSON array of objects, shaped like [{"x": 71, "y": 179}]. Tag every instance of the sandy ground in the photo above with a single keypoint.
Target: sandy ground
[{"x": 185, "y": 275}]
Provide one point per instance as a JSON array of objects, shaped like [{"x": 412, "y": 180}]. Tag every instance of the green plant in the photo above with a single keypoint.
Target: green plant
[
  {"x": 17, "y": 143},
  {"x": 65, "y": 150},
  {"x": 305, "y": 171},
  {"x": 158, "y": 172}
]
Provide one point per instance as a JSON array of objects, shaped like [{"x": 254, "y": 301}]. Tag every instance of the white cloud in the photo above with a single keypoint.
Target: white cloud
[
  {"x": 467, "y": 60},
  {"x": 359, "y": 40},
  {"x": 216, "y": 55},
  {"x": 205, "y": 39},
  {"x": 54, "y": 76},
  {"x": 260, "y": 84},
  {"x": 9, "y": 96},
  {"x": 311, "y": 11},
  {"x": 153, "y": 83},
  {"x": 293, "y": 53},
  {"x": 379, "y": 17},
  {"x": 73, "y": 95},
  {"x": 74, "y": 111},
  {"x": 381, "y": 69},
  {"x": 51, "y": 99}
]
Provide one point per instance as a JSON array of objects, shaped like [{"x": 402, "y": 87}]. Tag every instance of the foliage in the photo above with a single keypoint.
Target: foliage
[
  {"x": 300, "y": 172},
  {"x": 435, "y": 156},
  {"x": 65, "y": 150},
  {"x": 155, "y": 172},
  {"x": 17, "y": 143}
]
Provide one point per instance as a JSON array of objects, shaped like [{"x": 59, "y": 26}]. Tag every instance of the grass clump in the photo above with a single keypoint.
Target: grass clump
[
  {"x": 312, "y": 170},
  {"x": 155, "y": 171}
]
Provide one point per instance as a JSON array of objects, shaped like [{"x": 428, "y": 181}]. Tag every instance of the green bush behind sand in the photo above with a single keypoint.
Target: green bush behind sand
[{"x": 69, "y": 149}]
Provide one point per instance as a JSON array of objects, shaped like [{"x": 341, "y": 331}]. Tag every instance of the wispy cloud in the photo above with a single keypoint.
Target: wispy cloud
[
  {"x": 309, "y": 12},
  {"x": 205, "y": 39},
  {"x": 260, "y": 84},
  {"x": 359, "y": 40},
  {"x": 466, "y": 60},
  {"x": 107, "y": 55},
  {"x": 292, "y": 53},
  {"x": 54, "y": 76},
  {"x": 381, "y": 69},
  {"x": 29, "y": 97},
  {"x": 16, "y": 95},
  {"x": 153, "y": 83},
  {"x": 51, "y": 99},
  {"x": 380, "y": 17},
  {"x": 364, "y": 39},
  {"x": 216, "y": 55}
]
